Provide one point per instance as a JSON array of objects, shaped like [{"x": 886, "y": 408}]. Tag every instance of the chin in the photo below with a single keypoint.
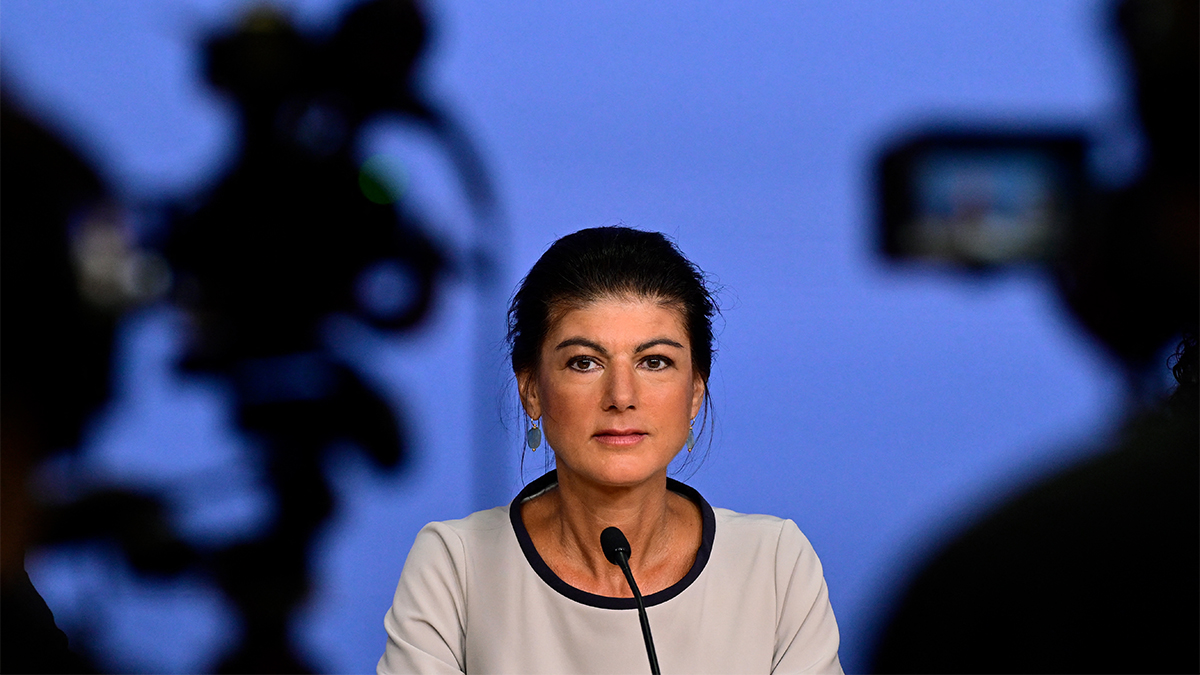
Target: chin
[{"x": 623, "y": 472}]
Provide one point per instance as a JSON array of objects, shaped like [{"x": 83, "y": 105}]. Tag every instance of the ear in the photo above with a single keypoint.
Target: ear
[
  {"x": 528, "y": 389},
  {"x": 698, "y": 389}
]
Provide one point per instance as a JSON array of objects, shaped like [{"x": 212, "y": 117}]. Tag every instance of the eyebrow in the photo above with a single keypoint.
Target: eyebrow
[
  {"x": 655, "y": 342},
  {"x": 581, "y": 342},
  {"x": 584, "y": 342}
]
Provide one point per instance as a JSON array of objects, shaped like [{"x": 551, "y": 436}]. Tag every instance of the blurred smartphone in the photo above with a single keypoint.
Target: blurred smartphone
[{"x": 981, "y": 200}]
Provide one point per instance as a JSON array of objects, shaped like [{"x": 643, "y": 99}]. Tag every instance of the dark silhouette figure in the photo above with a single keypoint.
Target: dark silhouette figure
[
  {"x": 55, "y": 366},
  {"x": 57, "y": 340},
  {"x": 295, "y": 233},
  {"x": 1098, "y": 568}
]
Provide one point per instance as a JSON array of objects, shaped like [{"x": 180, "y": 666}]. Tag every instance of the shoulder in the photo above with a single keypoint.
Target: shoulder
[
  {"x": 757, "y": 529},
  {"x": 454, "y": 538},
  {"x": 769, "y": 544},
  {"x": 427, "y": 623},
  {"x": 774, "y": 552},
  {"x": 734, "y": 533},
  {"x": 480, "y": 521}
]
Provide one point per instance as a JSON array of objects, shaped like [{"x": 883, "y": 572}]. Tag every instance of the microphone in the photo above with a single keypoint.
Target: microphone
[{"x": 616, "y": 549}]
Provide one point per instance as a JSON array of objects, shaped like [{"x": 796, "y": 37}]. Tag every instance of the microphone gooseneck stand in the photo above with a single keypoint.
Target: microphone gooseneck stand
[{"x": 616, "y": 549}]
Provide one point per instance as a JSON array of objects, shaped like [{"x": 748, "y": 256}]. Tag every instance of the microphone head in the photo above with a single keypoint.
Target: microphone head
[{"x": 614, "y": 543}]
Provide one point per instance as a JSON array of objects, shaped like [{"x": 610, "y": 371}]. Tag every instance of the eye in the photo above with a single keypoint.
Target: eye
[
  {"x": 583, "y": 364},
  {"x": 656, "y": 362}
]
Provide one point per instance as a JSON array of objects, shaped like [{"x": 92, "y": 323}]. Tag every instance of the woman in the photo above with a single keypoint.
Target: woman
[{"x": 611, "y": 336}]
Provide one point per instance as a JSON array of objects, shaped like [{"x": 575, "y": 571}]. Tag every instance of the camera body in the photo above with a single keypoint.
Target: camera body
[{"x": 981, "y": 200}]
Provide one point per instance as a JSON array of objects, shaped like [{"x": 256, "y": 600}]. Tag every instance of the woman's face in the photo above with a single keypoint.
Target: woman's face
[{"x": 615, "y": 390}]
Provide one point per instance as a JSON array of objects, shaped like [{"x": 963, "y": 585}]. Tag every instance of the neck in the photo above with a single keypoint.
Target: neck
[{"x": 641, "y": 512}]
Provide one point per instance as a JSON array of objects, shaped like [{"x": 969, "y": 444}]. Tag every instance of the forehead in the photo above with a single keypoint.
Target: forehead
[{"x": 632, "y": 319}]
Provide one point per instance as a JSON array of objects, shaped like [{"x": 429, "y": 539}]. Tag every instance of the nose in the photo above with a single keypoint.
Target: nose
[{"x": 621, "y": 390}]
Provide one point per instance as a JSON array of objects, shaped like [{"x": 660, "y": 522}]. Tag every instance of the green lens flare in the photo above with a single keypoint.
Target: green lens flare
[{"x": 381, "y": 180}]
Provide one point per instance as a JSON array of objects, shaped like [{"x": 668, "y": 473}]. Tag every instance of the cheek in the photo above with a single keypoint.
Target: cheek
[
  {"x": 674, "y": 402},
  {"x": 563, "y": 403}
]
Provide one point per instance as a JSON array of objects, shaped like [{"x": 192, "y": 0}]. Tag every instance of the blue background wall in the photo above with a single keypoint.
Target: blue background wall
[{"x": 878, "y": 407}]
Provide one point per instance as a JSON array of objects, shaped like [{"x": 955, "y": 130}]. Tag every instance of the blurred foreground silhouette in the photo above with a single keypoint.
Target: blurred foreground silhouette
[
  {"x": 55, "y": 373},
  {"x": 70, "y": 270},
  {"x": 298, "y": 231},
  {"x": 1098, "y": 569}
]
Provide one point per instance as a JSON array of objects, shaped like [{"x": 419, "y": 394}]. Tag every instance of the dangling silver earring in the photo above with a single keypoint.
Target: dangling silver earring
[
  {"x": 691, "y": 441},
  {"x": 533, "y": 437}
]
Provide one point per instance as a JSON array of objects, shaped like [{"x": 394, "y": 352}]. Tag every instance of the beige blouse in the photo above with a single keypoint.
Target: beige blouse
[{"x": 475, "y": 597}]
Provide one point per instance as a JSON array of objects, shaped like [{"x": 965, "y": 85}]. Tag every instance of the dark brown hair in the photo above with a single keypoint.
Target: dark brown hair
[{"x": 605, "y": 262}]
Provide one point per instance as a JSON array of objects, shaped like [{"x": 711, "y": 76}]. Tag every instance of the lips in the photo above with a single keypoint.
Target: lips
[{"x": 620, "y": 437}]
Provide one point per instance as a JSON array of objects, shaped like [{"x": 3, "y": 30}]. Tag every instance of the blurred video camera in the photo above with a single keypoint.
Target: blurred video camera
[{"x": 981, "y": 200}]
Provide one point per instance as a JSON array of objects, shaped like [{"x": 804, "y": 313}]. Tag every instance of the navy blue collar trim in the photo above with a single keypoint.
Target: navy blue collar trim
[{"x": 604, "y": 602}]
